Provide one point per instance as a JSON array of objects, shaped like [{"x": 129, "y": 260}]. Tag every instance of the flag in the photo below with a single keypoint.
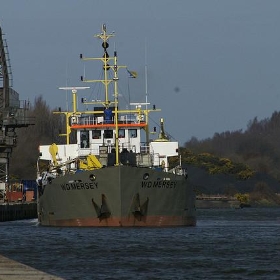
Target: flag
[{"x": 132, "y": 74}]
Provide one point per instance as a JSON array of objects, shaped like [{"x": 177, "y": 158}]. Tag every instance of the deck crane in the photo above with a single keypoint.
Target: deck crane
[{"x": 13, "y": 112}]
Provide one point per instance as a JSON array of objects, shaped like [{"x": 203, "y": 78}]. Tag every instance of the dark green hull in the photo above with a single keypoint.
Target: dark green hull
[{"x": 118, "y": 196}]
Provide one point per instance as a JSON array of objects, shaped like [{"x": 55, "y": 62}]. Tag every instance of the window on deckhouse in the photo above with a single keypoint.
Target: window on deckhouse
[
  {"x": 132, "y": 133},
  {"x": 121, "y": 133},
  {"x": 96, "y": 134},
  {"x": 108, "y": 133},
  {"x": 84, "y": 139}
]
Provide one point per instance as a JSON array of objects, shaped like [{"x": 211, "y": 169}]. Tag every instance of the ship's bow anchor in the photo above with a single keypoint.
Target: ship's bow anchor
[
  {"x": 103, "y": 211},
  {"x": 139, "y": 211}
]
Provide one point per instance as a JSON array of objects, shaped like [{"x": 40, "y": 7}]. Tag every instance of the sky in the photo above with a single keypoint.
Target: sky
[{"x": 212, "y": 65}]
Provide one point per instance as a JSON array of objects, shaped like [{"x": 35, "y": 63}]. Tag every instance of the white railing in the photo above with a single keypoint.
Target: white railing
[
  {"x": 144, "y": 148},
  {"x": 88, "y": 151},
  {"x": 89, "y": 120}
]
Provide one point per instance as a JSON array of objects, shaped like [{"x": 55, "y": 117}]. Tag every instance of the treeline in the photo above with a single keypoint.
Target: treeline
[
  {"x": 45, "y": 131},
  {"x": 258, "y": 147}
]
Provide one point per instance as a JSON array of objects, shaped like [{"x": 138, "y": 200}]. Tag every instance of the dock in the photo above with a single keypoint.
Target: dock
[
  {"x": 17, "y": 211},
  {"x": 12, "y": 270}
]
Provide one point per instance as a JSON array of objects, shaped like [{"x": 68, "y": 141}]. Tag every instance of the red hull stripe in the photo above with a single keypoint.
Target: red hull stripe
[{"x": 156, "y": 221}]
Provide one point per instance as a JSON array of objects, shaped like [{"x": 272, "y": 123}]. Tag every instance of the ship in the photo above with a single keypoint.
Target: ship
[{"x": 109, "y": 173}]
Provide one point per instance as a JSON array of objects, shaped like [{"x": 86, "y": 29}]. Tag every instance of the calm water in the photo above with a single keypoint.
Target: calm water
[{"x": 225, "y": 244}]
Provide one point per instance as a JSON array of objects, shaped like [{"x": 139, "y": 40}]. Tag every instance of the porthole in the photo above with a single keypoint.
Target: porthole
[
  {"x": 92, "y": 177},
  {"x": 146, "y": 176}
]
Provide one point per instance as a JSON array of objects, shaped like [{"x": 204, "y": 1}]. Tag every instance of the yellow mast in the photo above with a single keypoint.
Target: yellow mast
[
  {"x": 104, "y": 36},
  {"x": 68, "y": 114},
  {"x": 116, "y": 106},
  {"x": 105, "y": 59}
]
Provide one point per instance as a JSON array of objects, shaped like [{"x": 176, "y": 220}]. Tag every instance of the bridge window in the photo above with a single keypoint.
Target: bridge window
[
  {"x": 132, "y": 133},
  {"x": 121, "y": 133},
  {"x": 96, "y": 134},
  {"x": 108, "y": 133},
  {"x": 84, "y": 139}
]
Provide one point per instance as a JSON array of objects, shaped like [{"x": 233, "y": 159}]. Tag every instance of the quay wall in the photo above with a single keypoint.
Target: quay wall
[
  {"x": 17, "y": 211},
  {"x": 12, "y": 270}
]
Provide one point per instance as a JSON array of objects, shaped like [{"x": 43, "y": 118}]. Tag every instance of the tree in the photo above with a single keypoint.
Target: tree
[{"x": 24, "y": 157}]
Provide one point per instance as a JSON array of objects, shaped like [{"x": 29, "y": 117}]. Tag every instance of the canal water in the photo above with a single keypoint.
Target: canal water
[{"x": 225, "y": 244}]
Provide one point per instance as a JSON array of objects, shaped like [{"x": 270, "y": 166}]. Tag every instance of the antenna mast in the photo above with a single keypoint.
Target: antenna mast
[
  {"x": 146, "y": 73},
  {"x": 68, "y": 114}
]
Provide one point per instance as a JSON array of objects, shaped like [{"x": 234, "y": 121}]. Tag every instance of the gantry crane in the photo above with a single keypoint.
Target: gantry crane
[{"x": 13, "y": 112}]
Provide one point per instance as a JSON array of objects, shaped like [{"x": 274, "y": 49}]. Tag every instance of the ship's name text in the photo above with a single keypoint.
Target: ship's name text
[
  {"x": 159, "y": 184},
  {"x": 79, "y": 186}
]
